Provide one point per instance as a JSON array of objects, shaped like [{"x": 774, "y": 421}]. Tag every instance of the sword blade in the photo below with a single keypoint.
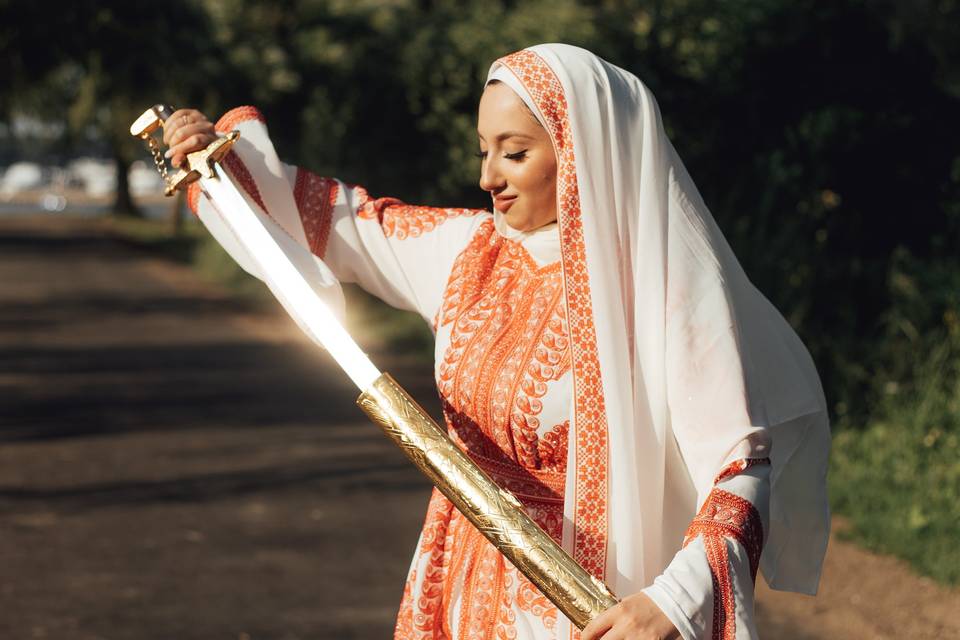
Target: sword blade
[{"x": 285, "y": 281}]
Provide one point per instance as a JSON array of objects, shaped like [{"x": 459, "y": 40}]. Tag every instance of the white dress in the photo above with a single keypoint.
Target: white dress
[{"x": 495, "y": 299}]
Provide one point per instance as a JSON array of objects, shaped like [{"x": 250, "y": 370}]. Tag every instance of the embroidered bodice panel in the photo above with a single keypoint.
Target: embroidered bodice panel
[{"x": 502, "y": 349}]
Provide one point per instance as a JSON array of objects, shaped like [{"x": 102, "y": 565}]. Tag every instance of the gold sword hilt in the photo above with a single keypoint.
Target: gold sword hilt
[{"x": 199, "y": 163}]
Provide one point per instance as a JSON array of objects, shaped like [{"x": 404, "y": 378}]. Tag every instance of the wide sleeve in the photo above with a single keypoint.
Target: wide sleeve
[
  {"x": 400, "y": 253},
  {"x": 707, "y": 590}
]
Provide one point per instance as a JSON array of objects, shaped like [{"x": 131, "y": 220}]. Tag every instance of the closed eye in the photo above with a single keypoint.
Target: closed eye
[{"x": 519, "y": 155}]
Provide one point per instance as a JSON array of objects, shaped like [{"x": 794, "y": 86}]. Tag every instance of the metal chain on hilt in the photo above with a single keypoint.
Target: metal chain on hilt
[
  {"x": 150, "y": 121},
  {"x": 158, "y": 159}
]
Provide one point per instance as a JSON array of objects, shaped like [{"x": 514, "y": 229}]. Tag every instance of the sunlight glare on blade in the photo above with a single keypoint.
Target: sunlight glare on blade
[{"x": 287, "y": 283}]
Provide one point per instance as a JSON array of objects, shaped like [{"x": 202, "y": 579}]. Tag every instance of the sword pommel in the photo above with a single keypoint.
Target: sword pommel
[{"x": 150, "y": 120}]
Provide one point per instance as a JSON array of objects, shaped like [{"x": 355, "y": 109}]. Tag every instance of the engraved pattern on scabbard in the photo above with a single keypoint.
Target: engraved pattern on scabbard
[{"x": 495, "y": 512}]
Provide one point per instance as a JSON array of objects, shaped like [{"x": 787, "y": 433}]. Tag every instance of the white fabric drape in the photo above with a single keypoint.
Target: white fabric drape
[{"x": 695, "y": 366}]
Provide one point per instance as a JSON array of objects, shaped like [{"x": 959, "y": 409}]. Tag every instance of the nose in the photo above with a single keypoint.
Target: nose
[{"x": 490, "y": 178}]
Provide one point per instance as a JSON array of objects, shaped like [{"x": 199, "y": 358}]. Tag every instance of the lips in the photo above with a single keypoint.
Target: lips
[{"x": 502, "y": 203}]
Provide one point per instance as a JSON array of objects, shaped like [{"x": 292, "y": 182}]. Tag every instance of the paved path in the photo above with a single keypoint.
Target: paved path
[{"x": 174, "y": 465}]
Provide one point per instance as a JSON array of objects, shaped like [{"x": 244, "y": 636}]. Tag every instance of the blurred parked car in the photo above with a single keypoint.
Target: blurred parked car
[{"x": 20, "y": 176}]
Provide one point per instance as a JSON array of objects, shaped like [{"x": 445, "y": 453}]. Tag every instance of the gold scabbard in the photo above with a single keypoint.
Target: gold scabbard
[{"x": 494, "y": 511}]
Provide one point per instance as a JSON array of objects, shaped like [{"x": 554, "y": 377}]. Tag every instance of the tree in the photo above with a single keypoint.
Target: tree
[{"x": 107, "y": 61}]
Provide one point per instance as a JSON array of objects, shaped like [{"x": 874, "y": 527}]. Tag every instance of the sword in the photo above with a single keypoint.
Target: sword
[{"x": 494, "y": 511}]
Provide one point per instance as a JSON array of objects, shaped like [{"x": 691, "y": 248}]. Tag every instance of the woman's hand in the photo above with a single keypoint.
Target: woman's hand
[
  {"x": 186, "y": 131},
  {"x": 636, "y": 617}
]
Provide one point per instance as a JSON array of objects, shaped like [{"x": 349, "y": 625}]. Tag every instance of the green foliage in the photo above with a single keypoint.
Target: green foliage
[
  {"x": 816, "y": 132},
  {"x": 898, "y": 480},
  {"x": 897, "y": 483},
  {"x": 97, "y": 65}
]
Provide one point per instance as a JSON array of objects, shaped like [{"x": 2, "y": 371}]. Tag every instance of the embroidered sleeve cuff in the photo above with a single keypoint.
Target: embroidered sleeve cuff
[{"x": 729, "y": 521}]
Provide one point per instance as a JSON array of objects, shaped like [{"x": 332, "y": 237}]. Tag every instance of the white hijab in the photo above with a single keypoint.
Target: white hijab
[{"x": 680, "y": 364}]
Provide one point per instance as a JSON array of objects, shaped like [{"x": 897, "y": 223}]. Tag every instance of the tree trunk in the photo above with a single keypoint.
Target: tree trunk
[{"x": 124, "y": 204}]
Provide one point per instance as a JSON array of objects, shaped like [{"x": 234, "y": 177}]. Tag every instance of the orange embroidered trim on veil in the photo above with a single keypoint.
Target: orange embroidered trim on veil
[{"x": 590, "y": 423}]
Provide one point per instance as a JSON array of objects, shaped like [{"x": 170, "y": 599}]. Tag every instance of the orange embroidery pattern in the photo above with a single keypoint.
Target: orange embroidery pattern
[
  {"x": 553, "y": 447},
  {"x": 547, "y": 359},
  {"x": 724, "y": 515},
  {"x": 489, "y": 587},
  {"x": 232, "y": 162},
  {"x": 315, "y": 197},
  {"x": 236, "y": 116},
  {"x": 471, "y": 270},
  {"x": 404, "y": 625},
  {"x": 739, "y": 466},
  {"x": 193, "y": 196},
  {"x": 503, "y": 348},
  {"x": 241, "y": 174},
  {"x": 507, "y": 343},
  {"x": 419, "y": 612},
  {"x": 483, "y": 590},
  {"x": 405, "y": 220},
  {"x": 506, "y": 624},
  {"x": 228, "y": 122},
  {"x": 590, "y": 507},
  {"x": 529, "y": 598},
  {"x": 459, "y": 557}
]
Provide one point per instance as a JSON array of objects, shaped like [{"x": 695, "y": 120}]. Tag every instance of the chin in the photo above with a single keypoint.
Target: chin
[{"x": 520, "y": 223}]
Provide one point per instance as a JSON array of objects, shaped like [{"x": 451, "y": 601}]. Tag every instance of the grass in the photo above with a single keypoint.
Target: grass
[{"x": 898, "y": 480}]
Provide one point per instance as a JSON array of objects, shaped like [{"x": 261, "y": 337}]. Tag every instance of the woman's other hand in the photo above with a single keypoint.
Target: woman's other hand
[
  {"x": 186, "y": 131},
  {"x": 636, "y": 617}
]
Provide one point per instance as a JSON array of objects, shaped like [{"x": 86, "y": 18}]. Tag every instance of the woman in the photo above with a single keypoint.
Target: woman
[{"x": 600, "y": 352}]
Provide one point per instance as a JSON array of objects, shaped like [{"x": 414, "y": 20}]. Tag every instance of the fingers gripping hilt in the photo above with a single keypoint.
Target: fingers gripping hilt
[{"x": 199, "y": 163}]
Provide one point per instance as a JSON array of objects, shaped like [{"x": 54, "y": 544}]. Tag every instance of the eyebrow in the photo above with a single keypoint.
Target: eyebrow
[{"x": 508, "y": 134}]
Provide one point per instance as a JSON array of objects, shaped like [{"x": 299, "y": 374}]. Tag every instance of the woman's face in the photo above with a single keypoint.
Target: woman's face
[{"x": 518, "y": 168}]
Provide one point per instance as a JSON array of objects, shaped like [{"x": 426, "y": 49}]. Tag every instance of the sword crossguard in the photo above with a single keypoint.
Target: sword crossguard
[{"x": 199, "y": 163}]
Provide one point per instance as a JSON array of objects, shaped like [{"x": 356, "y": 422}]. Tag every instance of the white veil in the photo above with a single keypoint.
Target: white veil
[{"x": 680, "y": 364}]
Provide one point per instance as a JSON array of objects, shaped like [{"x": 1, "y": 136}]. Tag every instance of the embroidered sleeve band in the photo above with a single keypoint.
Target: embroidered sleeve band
[{"x": 727, "y": 515}]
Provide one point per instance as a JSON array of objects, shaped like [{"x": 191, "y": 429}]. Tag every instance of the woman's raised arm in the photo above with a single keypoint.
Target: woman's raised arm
[{"x": 400, "y": 253}]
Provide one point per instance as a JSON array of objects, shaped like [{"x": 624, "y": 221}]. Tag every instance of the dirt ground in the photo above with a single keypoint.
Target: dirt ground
[{"x": 175, "y": 465}]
